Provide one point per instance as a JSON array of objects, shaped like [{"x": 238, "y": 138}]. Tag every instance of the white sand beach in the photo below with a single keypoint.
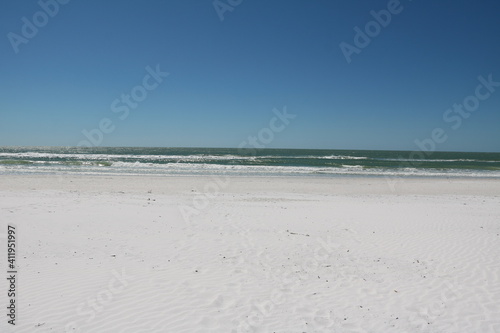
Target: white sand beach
[{"x": 291, "y": 254}]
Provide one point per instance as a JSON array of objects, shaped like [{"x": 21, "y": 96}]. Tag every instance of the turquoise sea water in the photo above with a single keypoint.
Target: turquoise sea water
[{"x": 265, "y": 162}]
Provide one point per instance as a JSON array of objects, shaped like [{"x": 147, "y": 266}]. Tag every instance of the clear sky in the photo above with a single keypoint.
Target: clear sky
[{"x": 226, "y": 76}]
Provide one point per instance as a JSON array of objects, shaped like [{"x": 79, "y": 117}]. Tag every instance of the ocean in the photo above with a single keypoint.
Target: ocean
[{"x": 232, "y": 161}]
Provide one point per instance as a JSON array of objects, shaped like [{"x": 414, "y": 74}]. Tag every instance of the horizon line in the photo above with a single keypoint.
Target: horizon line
[{"x": 267, "y": 148}]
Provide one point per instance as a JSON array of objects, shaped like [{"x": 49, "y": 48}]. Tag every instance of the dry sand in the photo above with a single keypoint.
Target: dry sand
[{"x": 195, "y": 254}]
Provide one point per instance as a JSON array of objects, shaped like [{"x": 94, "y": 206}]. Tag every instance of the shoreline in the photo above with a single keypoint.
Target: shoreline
[{"x": 332, "y": 185}]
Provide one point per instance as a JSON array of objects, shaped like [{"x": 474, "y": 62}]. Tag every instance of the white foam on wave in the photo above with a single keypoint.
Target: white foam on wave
[
  {"x": 144, "y": 168},
  {"x": 343, "y": 157},
  {"x": 432, "y": 160},
  {"x": 91, "y": 156},
  {"x": 115, "y": 157}
]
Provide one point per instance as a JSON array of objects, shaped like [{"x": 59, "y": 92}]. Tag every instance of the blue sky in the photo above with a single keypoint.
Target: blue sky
[{"x": 226, "y": 76}]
